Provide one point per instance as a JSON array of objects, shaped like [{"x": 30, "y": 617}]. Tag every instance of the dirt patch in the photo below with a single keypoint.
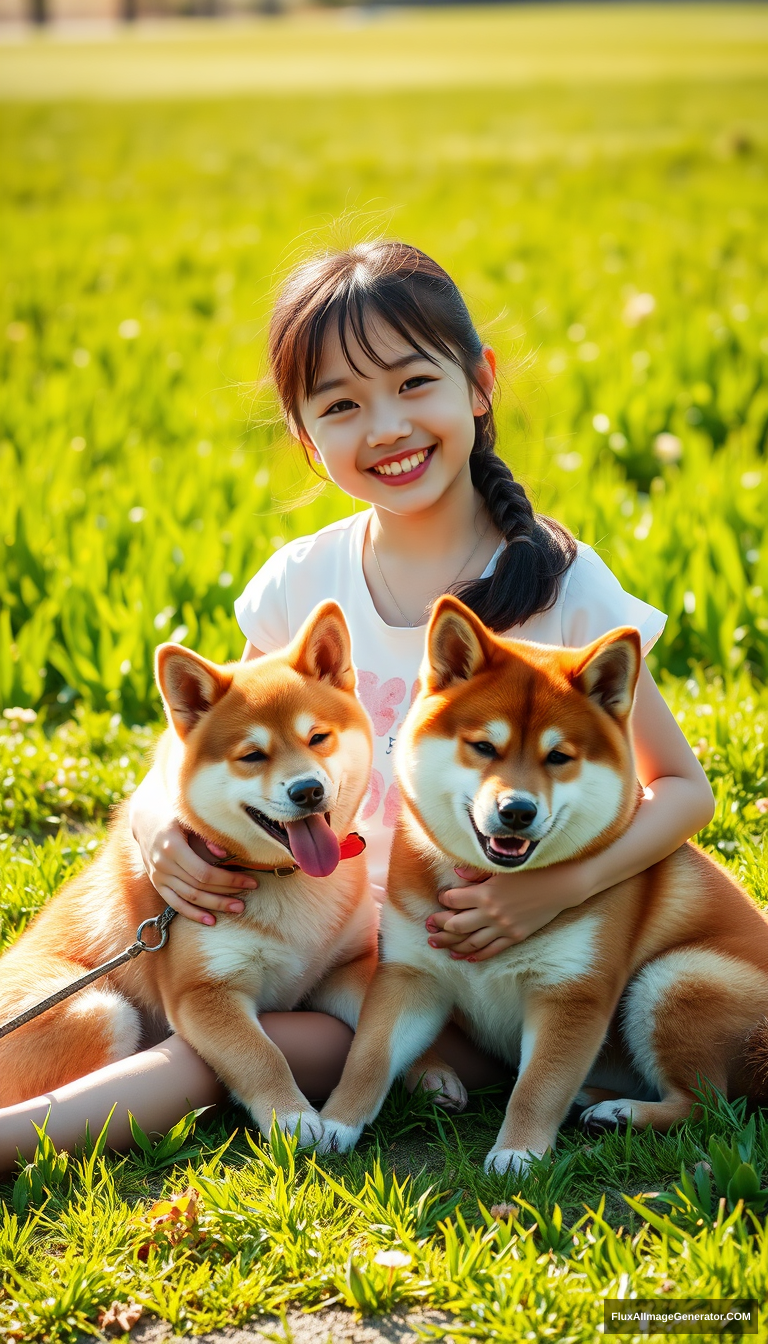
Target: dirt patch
[{"x": 333, "y": 1325}]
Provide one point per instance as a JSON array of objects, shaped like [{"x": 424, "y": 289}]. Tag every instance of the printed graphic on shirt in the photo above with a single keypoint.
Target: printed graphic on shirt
[{"x": 382, "y": 701}]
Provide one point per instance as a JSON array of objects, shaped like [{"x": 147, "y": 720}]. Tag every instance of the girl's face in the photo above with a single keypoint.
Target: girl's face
[{"x": 397, "y": 436}]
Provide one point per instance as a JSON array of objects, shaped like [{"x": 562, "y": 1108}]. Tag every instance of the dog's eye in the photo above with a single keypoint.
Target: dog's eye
[
  {"x": 254, "y": 756},
  {"x": 558, "y": 758},
  {"x": 484, "y": 748},
  {"x": 317, "y": 738}
]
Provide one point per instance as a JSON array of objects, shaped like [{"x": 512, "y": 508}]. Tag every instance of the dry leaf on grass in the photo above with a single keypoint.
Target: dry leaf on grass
[
  {"x": 504, "y": 1210},
  {"x": 119, "y": 1318}
]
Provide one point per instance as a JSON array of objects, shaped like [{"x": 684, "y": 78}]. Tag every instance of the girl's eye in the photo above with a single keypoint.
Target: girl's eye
[
  {"x": 317, "y": 738},
  {"x": 339, "y": 407},
  {"x": 254, "y": 756},
  {"x": 417, "y": 381},
  {"x": 558, "y": 758},
  {"x": 484, "y": 748}
]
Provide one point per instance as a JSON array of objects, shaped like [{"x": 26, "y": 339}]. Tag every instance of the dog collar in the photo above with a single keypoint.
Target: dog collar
[{"x": 352, "y": 845}]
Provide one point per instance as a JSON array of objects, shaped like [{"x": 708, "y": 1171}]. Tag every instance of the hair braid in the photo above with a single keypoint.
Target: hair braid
[{"x": 537, "y": 553}]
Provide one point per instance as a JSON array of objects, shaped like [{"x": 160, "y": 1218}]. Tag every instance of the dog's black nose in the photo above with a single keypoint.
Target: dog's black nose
[
  {"x": 516, "y": 811},
  {"x": 306, "y": 792}
]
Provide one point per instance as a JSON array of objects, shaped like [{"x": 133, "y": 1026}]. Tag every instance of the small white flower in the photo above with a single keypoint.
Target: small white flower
[
  {"x": 637, "y": 308},
  {"x": 601, "y": 423},
  {"x": 129, "y": 329},
  {"x": 137, "y": 515},
  {"x": 668, "y": 448},
  {"x": 392, "y": 1259}
]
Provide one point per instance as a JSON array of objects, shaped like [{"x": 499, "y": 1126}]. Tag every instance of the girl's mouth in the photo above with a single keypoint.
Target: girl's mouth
[{"x": 405, "y": 468}]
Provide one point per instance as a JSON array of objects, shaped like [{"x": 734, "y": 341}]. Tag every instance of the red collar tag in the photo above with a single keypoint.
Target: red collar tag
[{"x": 352, "y": 845}]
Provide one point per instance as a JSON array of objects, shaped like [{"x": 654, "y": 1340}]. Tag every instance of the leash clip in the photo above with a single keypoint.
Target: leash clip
[{"x": 160, "y": 925}]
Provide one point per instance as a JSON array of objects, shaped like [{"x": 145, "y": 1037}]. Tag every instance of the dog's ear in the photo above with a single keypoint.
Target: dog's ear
[
  {"x": 607, "y": 671},
  {"x": 323, "y": 648},
  {"x": 189, "y": 685},
  {"x": 458, "y": 645}
]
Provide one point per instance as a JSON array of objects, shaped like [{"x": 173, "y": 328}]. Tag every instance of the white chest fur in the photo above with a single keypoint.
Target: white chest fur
[
  {"x": 292, "y": 932},
  {"x": 492, "y": 994}
]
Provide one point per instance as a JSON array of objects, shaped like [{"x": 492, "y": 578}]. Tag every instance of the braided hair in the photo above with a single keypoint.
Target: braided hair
[{"x": 405, "y": 288}]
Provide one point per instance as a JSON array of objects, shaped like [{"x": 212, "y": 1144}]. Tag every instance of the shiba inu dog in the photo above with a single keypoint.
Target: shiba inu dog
[
  {"x": 518, "y": 755},
  {"x": 269, "y": 760}
]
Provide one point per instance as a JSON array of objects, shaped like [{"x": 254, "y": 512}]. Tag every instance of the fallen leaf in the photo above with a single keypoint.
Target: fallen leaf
[
  {"x": 120, "y": 1317},
  {"x": 504, "y": 1210}
]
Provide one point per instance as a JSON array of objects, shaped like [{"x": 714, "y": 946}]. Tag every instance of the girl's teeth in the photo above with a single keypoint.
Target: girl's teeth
[{"x": 405, "y": 464}]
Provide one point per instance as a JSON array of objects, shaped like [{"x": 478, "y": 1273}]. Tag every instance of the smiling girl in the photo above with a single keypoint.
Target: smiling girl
[{"x": 386, "y": 384}]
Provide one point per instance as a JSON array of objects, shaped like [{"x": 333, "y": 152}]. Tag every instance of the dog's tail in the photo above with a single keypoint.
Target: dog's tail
[{"x": 756, "y": 1060}]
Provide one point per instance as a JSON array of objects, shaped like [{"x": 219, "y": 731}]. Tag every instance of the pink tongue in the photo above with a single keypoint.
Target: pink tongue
[
  {"x": 314, "y": 846},
  {"x": 513, "y": 844}
]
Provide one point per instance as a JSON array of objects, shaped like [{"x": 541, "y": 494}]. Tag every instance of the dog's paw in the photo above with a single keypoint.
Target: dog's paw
[
  {"x": 509, "y": 1161},
  {"x": 305, "y": 1125},
  {"x": 445, "y": 1087},
  {"x": 606, "y": 1115},
  {"x": 338, "y": 1137}
]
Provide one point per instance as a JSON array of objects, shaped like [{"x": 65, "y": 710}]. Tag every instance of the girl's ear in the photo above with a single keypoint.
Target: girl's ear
[{"x": 486, "y": 377}]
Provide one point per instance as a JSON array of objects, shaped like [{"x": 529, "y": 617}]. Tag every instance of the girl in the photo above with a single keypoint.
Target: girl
[{"x": 385, "y": 382}]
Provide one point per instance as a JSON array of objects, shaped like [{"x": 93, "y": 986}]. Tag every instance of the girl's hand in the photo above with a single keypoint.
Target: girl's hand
[
  {"x": 183, "y": 880},
  {"x": 489, "y": 916}
]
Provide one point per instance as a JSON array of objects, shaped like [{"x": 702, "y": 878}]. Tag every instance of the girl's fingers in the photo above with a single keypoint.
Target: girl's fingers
[
  {"x": 466, "y": 921},
  {"x": 474, "y": 943},
  {"x": 212, "y": 879},
  {"x": 461, "y": 898},
  {"x": 207, "y": 900},
  {"x": 183, "y": 907},
  {"x": 445, "y": 939},
  {"x": 492, "y": 950}
]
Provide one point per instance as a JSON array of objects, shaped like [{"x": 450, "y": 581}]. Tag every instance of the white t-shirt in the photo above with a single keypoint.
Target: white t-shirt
[{"x": 309, "y": 570}]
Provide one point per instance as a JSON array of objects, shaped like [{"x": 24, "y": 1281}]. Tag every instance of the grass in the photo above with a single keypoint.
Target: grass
[{"x": 562, "y": 164}]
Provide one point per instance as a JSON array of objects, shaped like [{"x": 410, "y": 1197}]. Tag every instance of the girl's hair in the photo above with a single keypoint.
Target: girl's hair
[{"x": 406, "y": 289}]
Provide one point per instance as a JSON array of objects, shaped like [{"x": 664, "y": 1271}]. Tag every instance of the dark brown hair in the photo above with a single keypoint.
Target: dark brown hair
[{"x": 414, "y": 296}]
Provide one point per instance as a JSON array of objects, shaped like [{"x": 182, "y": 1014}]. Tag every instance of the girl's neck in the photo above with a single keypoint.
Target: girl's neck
[{"x": 449, "y": 527}]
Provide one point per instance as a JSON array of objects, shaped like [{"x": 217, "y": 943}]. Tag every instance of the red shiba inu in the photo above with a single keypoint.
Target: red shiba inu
[
  {"x": 518, "y": 755},
  {"x": 270, "y": 760}
]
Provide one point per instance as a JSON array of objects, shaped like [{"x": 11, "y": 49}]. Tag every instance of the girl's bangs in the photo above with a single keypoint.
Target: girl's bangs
[{"x": 355, "y": 311}]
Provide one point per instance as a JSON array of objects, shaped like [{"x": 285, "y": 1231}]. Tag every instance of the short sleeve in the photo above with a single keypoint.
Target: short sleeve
[
  {"x": 261, "y": 609},
  {"x": 594, "y": 602}
]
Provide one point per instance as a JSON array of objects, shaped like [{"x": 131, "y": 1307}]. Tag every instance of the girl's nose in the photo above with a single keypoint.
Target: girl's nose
[{"x": 387, "y": 431}]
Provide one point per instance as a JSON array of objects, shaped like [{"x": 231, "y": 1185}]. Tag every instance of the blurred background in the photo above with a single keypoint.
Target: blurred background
[{"x": 593, "y": 176}]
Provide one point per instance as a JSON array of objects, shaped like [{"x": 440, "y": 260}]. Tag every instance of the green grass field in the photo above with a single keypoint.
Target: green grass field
[{"x": 595, "y": 179}]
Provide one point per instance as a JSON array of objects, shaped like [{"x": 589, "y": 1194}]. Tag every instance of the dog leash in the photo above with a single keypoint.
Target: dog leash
[
  {"x": 159, "y": 924},
  {"x": 350, "y": 847}
]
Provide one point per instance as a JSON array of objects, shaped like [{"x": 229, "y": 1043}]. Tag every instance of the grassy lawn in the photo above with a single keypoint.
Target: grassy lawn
[{"x": 596, "y": 181}]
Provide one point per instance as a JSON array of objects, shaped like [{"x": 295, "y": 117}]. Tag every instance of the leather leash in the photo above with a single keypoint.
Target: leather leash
[
  {"x": 159, "y": 924},
  {"x": 352, "y": 845}
]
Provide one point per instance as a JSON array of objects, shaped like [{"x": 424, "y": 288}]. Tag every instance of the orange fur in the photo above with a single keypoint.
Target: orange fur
[
  {"x": 300, "y": 937},
  {"x": 641, "y": 990}
]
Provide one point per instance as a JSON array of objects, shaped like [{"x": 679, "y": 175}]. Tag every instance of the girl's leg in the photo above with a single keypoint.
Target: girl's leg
[{"x": 159, "y": 1085}]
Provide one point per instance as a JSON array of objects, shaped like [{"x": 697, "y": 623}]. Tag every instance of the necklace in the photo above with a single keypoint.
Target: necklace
[{"x": 412, "y": 624}]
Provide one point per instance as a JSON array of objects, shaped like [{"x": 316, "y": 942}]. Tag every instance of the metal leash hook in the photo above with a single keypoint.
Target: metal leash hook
[{"x": 159, "y": 924}]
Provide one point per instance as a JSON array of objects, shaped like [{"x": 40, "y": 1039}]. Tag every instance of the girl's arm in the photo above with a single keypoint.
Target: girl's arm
[
  {"x": 187, "y": 883},
  {"x": 486, "y": 918}
]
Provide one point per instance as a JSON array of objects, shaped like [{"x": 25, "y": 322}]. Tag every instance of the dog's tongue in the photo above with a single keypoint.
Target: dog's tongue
[
  {"x": 510, "y": 844},
  {"x": 314, "y": 846}
]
